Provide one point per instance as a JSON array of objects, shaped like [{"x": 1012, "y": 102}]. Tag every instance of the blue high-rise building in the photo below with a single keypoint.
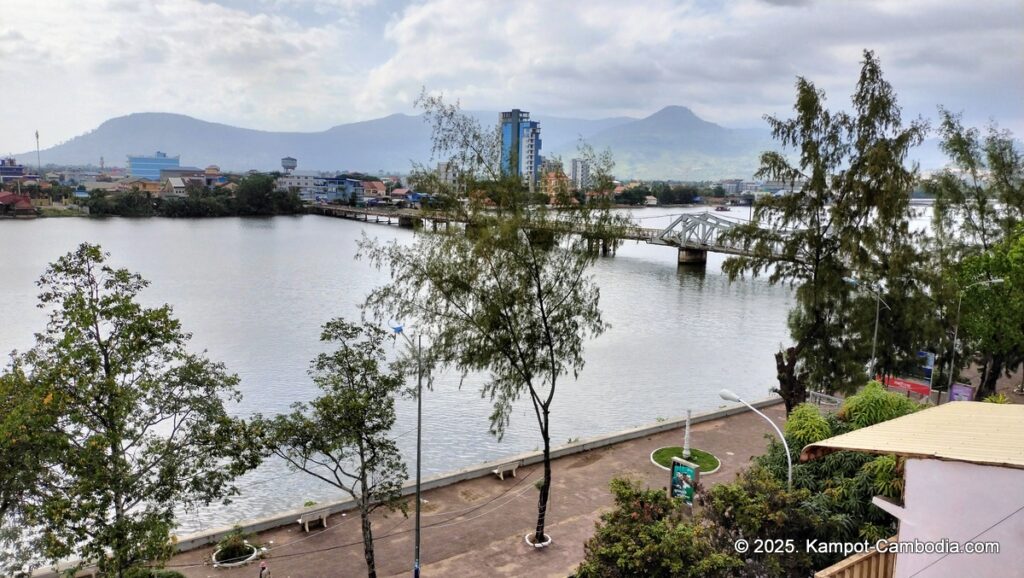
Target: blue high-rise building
[
  {"x": 520, "y": 146},
  {"x": 147, "y": 167}
]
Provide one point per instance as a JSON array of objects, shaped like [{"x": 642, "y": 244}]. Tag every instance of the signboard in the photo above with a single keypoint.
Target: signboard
[
  {"x": 961, "y": 392},
  {"x": 685, "y": 476},
  {"x": 927, "y": 364},
  {"x": 906, "y": 385}
]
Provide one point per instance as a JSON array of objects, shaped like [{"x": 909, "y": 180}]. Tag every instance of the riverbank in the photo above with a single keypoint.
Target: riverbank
[{"x": 475, "y": 527}]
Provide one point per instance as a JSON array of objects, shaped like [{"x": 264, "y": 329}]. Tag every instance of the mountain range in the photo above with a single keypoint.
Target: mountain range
[{"x": 673, "y": 143}]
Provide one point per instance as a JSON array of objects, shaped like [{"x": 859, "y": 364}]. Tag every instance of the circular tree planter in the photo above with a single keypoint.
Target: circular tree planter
[
  {"x": 700, "y": 457},
  {"x": 544, "y": 544},
  {"x": 235, "y": 561}
]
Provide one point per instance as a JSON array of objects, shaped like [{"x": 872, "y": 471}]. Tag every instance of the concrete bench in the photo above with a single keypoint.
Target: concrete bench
[
  {"x": 313, "y": 516},
  {"x": 502, "y": 469}
]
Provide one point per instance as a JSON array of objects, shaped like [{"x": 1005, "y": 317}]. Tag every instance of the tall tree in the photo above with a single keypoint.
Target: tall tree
[
  {"x": 849, "y": 172},
  {"x": 509, "y": 294},
  {"x": 343, "y": 437},
  {"x": 979, "y": 205},
  {"x": 142, "y": 422}
]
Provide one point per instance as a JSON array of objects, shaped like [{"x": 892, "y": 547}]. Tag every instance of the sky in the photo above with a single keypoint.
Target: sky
[{"x": 306, "y": 65}]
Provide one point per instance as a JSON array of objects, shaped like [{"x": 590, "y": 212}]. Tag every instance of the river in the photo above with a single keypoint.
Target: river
[{"x": 254, "y": 292}]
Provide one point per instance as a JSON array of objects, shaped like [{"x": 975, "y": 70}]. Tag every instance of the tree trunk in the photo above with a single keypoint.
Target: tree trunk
[
  {"x": 989, "y": 377},
  {"x": 371, "y": 566},
  {"x": 542, "y": 500},
  {"x": 791, "y": 388}
]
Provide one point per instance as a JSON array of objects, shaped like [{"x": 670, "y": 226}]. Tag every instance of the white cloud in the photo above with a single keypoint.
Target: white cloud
[{"x": 66, "y": 65}]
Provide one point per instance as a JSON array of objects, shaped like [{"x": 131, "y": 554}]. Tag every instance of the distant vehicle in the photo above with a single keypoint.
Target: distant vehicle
[{"x": 722, "y": 208}]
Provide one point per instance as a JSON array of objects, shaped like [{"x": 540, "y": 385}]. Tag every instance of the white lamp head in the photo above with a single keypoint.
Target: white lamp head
[{"x": 729, "y": 396}]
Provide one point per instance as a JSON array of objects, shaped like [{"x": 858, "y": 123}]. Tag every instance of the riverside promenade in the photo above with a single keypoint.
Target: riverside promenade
[{"x": 476, "y": 527}]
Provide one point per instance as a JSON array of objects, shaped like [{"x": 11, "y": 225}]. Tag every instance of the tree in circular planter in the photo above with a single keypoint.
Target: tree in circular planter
[
  {"x": 234, "y": 549},
  {"x": 708, "y": 462}
]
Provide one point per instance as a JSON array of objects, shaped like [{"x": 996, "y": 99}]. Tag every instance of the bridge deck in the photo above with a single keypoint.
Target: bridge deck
[{"x": 698, "y": 231}]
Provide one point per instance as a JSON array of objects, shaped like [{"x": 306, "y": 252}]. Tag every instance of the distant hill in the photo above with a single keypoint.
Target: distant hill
[
  {"x": 391, "y": 143},
  {"x": 672, "y": 143}
]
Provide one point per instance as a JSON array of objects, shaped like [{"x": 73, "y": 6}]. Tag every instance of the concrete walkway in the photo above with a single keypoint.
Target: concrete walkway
[{"x": 476, "y": 527}]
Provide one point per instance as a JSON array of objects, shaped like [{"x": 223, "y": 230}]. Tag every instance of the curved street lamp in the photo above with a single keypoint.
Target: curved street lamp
[
  {"x": 728, "y": 395},
  {"x": 878, "y": 302}
]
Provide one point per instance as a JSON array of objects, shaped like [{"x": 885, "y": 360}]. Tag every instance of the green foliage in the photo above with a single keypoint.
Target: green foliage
[
  {"x": 648, "y": 534},
  {"x": 510, "y": 295},
  {"x": 999, "y": 398},
  {"x": 132, "y": 203},
  {"x": 234, "y": 546},
  {"x": 805, "y": 425},
  {"x": 146, "y": 572},
  {"x": 29, "y": 444},
  {"x": 849, "y": 211},
  {"x": 979, "y": 207},
  {"x": 874, "y": 404},
  {"x": 343, "y": 436},
  {"x": 142, "y": 427},
  {"x": 256, "y": 196}
]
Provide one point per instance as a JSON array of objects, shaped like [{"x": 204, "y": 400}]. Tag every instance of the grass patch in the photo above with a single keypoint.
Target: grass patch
[{"x": 706, "y": 461}]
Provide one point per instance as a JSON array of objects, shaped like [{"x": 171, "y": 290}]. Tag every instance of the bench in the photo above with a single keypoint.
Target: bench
[
  {"x": 313, "y": 516},
  {"x": 509, "y": 467}
]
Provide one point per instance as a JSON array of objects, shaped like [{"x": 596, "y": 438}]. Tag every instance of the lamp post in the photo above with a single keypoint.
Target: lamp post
[
  {"x": 398, "y": 329},
  {"x": 878, "y": 303},
  {"x": 956, "y": 327},
  {"x": 728, "y": 395}
]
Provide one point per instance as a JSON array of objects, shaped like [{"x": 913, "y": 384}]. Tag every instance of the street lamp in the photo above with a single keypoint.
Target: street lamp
[
  {"x": 878, "y": 303},
  {"x": 730, "y": 396},
  {"x": 398, "y": 329},
  {"x": 956, "y": 327}
]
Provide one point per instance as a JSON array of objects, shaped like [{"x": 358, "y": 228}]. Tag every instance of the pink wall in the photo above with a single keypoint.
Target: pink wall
[{"x": 957, "y": 501}]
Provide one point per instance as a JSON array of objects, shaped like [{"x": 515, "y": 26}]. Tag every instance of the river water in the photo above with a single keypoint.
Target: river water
[{"x": 254, "y": 292}]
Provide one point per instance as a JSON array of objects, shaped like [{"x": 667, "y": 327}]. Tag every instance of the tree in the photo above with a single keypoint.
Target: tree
[
  {"x": 852, "y": 170},
  {"x": 141, "y": 427},
  {"x": 343, "y": 437},
  {"x": 510, "y": 293},
  {"x": 992, "y": 314},
  {"x": 979, "y": 205}
]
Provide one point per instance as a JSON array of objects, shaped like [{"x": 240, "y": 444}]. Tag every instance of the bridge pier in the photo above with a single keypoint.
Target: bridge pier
[{"x": 692, "y": 256}]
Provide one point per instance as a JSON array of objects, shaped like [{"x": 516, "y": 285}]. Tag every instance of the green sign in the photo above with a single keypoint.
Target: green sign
[{"x": 685, "y": 476}]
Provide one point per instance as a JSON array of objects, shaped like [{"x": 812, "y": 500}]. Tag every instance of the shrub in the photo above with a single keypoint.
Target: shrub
[{"x": 874, "y": 404}]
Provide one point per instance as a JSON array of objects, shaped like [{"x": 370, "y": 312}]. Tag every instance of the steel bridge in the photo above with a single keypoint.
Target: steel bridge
[{"x": 693, "y": 234}]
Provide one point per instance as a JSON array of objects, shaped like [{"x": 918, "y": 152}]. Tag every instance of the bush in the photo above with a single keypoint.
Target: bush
[
  {"x": 234, "y": 546},
  {"x": 874, "y": 404}
]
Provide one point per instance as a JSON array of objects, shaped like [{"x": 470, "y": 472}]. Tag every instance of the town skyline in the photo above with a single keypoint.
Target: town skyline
[{"x": 302, "y": 66}]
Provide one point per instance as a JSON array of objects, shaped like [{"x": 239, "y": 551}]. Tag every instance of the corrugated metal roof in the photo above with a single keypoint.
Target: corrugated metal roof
[{"x": 963, "y": 431}]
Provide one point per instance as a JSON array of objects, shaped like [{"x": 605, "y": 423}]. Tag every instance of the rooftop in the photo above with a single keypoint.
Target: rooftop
[{"x": 963, "y": 431}]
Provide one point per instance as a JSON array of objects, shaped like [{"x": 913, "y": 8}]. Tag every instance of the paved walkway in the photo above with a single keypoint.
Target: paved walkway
[{"x": 476, "y": 528}]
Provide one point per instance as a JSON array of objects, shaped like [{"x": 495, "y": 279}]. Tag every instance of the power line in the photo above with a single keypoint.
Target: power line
[{"x": 971, "y": 539}]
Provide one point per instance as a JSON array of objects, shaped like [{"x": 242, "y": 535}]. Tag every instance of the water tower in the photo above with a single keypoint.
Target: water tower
[{"x": 289, "y": 164}]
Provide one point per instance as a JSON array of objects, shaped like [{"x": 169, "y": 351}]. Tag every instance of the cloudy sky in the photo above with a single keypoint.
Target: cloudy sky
[{"x": 306, "y": 65}]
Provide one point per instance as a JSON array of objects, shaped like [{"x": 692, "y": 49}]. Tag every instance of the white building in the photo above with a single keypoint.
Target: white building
[
  {"x": 963, "y": 487},
  {"x": 306, "y": 183},
  {"x": 579, "y": 174}
]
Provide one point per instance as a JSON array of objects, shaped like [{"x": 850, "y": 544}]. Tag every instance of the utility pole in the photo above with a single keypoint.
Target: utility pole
[{"x": 39, "y": 164}]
